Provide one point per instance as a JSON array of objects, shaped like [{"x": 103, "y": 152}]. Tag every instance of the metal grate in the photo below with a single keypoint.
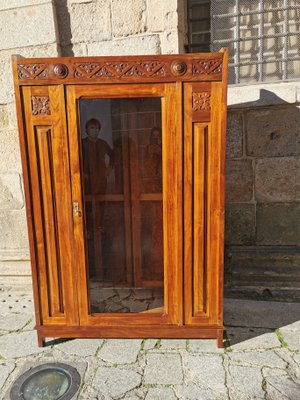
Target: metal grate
[{"x": 263, "y": 36}]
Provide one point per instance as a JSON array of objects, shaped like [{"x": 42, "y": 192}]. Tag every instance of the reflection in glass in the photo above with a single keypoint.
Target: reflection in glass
[{"x": 122, "y": 178}]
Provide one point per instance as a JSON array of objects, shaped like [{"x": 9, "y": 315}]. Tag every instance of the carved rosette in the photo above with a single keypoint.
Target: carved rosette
[
  {"x": 178, "y": 68},
  {"x": 40, "y": 105},
  {"x": 60, "y": 70},
  {"x": 207, "y": 67},
  {"x": 201, "y": 101}
]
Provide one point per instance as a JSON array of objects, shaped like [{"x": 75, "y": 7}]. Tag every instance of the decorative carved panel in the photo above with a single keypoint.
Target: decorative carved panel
[
  {"x": 32, "y": 71},
  {"x": 119, "y": 69},
  {"x": 40, "y": 105},
  {"x": 201, "y": 101},
  {"x": 202, "y": 67}
]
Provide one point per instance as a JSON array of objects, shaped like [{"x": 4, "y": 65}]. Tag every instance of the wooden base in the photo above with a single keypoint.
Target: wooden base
[{"x": 145, "y": 332}]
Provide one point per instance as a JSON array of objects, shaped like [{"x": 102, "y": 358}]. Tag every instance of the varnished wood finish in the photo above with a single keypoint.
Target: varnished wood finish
[{"x": 193, "y": 90}]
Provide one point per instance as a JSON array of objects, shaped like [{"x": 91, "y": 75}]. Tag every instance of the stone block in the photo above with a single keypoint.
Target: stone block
[
  {"x": 273, "y": 132},
  {"x": 11, "y": 193},
  {"x": 155, "y": 16},
  {"x": 8, "y": 4},
  {"x": 262, "y": 94},
  {"x": 170, "y": 42},
  {"x": 13, "y": 232},
  {"x": 128, "y": 46},
  {"x": 6, "y": 80},
  {"x": 277, "y": 179},
  {"x": 3, "y": 116},
  {"x": 128, "y": 17},
  {"x": 10, "y": 158},
  {"x": 239, "y": 224},
  {"x": 12, "y": 115},
  {"x": 278, "y": 223},
  {"x": 21, "y": 27},
  {"x": 165, "y": 369},
  {"x": 83, "y": 22},
  {"x": 239, "y": 181},
  {"x": 234, "y": 138}
]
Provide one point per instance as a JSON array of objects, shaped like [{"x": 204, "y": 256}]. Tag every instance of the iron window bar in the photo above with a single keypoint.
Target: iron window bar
[{"x": 284, "y": 45}]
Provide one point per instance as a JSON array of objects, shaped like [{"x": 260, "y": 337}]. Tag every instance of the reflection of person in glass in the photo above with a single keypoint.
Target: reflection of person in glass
[
  {"x": 96, "y": 171},
  {"x": 94, "y": 166}
]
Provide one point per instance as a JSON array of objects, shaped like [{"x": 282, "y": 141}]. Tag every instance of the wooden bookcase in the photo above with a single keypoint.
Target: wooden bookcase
[{"x": 123, "y": 161}]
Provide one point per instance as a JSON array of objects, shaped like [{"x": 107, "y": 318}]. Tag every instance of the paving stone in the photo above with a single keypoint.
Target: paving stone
[
  {"x": 258, "y": 342},
  {"x": 291, "y": 338},
  {"x": 277, "y": 179},
  {"x": 81, "y": 347},
  {"x": 277, "y": 223},
  {"x": 294, "y": 326},
  {"x": 204, "y": 346},
  {"x": 22, "y": 344},
  {"x": 194, "y": 392},
  {"x": 5, "y": 370},
  {"x": 258, "y": 359},
  {"x": 149, "y": 344},
  {"x": 282, "y": 387},
  {"x": 240, "y": 224},
  {"x": 246, "y": 383},
  {"x": 239, "y": 181},
  {"x": 270, "y": 371},
  {"x": 207, "y": 370},
  {"x": 115, "y": 382},
  {"x": 120, "y": 351},
  {"x": 160, "y": 393},
  {"x": 234, "y": 137},
  {"x": 165, "y": 369},
  {"x": 171, "y": 344},
  {"x": 14, "y": 321}
]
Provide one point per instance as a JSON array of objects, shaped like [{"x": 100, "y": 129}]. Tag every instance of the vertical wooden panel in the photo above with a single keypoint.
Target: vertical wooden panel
[
  {"x": 200, "y": 133},
  {"x": 50, "y": 189},
  {"x": 47, "y": 185}
]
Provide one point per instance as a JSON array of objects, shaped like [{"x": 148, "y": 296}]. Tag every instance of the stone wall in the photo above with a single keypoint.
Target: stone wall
[
  {"x": 263, "y": 138},
  {"x": 263, "y": 191}
]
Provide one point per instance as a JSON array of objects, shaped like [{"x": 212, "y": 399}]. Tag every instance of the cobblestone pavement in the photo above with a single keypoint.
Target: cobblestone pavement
[{"x": 261, "y": 359}]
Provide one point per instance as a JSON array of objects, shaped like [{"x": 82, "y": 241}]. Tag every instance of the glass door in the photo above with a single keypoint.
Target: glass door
[{"x": 125, "y": 151}]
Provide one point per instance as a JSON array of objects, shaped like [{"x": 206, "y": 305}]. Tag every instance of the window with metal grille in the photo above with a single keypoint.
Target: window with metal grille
[{"x": 263, "y": 36}]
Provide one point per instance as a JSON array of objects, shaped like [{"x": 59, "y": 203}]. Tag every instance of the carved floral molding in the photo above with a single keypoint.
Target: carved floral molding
[
  {"x": 201, "y": 101},
  {"x": 40, "y": 105}
]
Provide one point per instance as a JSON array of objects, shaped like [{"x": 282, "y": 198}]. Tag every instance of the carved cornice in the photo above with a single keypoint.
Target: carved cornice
[{"x": 117, "y": 69}]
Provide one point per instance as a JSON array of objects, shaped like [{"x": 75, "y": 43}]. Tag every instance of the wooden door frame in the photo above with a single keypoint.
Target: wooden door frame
[{"x": 171, "y": 98}]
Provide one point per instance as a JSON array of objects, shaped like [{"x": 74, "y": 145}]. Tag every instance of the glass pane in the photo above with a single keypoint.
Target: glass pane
[{"x": 121, "y": 145}]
